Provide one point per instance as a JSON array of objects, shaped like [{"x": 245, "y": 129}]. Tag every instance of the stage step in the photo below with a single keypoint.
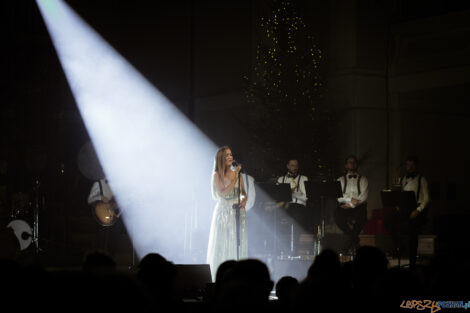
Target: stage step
[{"x": 426, "y": 243}]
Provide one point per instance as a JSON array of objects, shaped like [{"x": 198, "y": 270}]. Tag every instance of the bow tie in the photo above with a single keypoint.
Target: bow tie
[
  {"x": 413, "y": 175},
  {"x": 352, "y": 176}
]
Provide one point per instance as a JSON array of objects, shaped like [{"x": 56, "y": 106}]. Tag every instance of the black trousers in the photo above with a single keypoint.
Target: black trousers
[
  {"x": 399, "y": 223},
  {"x": 351, "y": 221}
]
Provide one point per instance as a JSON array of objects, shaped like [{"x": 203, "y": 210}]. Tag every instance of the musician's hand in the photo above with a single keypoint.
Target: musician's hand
[
  {"x": 238, "y": 169},
  {"x": 346, "y": 206},
  {"x": 355, "y": 202},
  {"x": 414, "y": 214},
  {"x": 243, "y": 204}
]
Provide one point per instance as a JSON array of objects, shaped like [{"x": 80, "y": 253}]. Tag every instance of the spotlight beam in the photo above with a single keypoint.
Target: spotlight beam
[
  {"x": 158, "y": 163},
  {"x": 155, "y": 159}
]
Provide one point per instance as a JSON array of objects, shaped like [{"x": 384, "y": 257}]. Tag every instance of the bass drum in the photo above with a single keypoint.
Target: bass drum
[{"x": 23, "y": 232}]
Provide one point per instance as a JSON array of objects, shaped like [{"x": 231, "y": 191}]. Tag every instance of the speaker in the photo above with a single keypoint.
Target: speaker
[{"x": 191, "y": 280}]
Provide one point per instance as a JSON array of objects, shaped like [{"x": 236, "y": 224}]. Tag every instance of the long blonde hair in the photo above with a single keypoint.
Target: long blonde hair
[{"x": 219, "y": 168}]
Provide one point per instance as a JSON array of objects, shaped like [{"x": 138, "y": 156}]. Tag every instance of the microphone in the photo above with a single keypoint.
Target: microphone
[{"x": 234, "y": 165}]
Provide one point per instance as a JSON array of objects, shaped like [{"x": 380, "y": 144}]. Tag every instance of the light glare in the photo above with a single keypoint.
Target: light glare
[{"x": 156, "y": 160}]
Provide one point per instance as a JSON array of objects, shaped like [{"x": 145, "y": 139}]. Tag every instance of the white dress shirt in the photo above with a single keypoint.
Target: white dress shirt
[
  {"x": 411, "y": 184},
  {"x": 352, "y": 190},
  {"x": 105, "y": 194},
  {"x": 297, "y": 185},
  {"x": 249, "y": 182}
]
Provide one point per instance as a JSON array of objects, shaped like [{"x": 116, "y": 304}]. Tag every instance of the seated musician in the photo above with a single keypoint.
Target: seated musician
[
  {"x": 297, "y": 183},
  {"x": 297, "y": 207},
  {"x": 351, "y": 212}
]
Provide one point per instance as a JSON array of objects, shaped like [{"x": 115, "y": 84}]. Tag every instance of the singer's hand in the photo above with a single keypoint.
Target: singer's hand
[{"x": 238, "y": 169}]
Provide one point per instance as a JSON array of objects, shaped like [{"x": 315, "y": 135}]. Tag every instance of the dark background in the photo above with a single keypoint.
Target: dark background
[{"x": 396, "y": 76}]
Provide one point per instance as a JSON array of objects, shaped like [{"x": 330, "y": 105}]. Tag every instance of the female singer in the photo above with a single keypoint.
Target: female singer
[{"x": 223, "y": 233}]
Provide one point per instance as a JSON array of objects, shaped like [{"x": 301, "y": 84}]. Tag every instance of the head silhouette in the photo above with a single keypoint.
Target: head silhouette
[
  {"x": 98, "y": 261},
  {"x": 156, "y": 272}
]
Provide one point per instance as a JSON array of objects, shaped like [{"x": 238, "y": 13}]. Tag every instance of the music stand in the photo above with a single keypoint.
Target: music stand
[
  {"x": 404, "y": 202},
  {"x": 322, "y": 190},
  {"x": 272, "y": 192}
]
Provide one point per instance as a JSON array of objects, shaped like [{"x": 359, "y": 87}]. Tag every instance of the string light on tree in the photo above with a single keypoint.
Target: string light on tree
[{"x": 286, "y": 88}]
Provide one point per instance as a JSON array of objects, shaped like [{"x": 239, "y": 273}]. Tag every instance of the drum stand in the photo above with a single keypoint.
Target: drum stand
[{"x": 35, "y": 238}]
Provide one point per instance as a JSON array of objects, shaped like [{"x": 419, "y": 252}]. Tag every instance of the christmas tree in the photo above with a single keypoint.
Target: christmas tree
[{"x": 285, "y": 92}]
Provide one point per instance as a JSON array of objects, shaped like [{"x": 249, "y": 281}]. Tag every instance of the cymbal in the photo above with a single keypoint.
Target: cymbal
[
  {"x": 88, "y": 162},
  {"x": 23, "y": 232}
]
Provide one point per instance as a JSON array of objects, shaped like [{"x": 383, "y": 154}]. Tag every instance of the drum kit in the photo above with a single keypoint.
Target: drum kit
[
  {"x": 24, "y": 217},
  {"x": 20, "y": 209}
]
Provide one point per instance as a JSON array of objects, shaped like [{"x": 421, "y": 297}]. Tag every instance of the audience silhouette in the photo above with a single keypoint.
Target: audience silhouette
[
  {"x": 286, "y": 289},
  {"x": 367, "y": 283},
  {"x": 97, "y": 262}
]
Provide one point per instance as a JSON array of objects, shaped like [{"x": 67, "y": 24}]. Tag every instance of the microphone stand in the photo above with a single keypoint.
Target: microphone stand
[
  {"x": 37, "y": 200},
  {"x": 237, "y": 207}
]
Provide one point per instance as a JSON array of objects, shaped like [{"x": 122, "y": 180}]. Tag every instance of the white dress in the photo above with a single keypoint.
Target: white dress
[{"x": 223, "y": 233}]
